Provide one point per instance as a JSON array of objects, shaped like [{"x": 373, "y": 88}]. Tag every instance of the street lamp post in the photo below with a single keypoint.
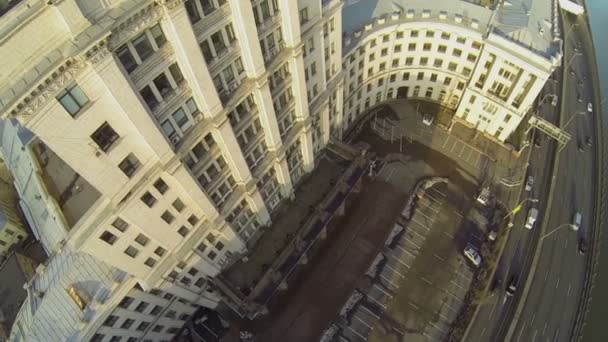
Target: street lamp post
[
  {"x": 556, "y": 229},
  {"x": 580, "y": 112},
  {"x": 576, "y": 54},
  {"x": 519, "y": 207}
]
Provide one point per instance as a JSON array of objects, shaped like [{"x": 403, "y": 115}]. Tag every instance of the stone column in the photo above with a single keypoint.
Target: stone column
[
  {"x": 125, "y": 95},
  {"x": 257, "y": 205},
  {"x": 325, "y": 125},
  {"x": 340, "y": 110},
  {"x": 290, "y": 22},
  {"x": 247, "y": 35},
  {"x": 225, "y": 137},
  {"x": 282, "y": 171},
  {"x": 267, "y": 115},
  {"x": 177, "y": 28},
  {"x": 308, "y": 154}
]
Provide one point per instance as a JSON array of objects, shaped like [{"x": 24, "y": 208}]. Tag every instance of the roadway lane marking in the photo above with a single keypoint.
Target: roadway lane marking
[
  {"x": 356, "y": 333},
  {"x": 413, "y": 243},
  {"x": 569, "y": 288},
  {"x": 389, "y": 281},
  {"x": 534, "y": 337},
  {"x": 546, "y": 275},
  {"x": 382, "y": 290},
  {"x": 362, "y": 321},
  {"x": 423, "y": 237},
  {"x": 439, "y": 192},
  {"x": 455, "y": 283},
  {"x": 433, "y": 198},
  {"x": 369, "y": 312},
  {"x": 449, "y": 235},
  {"x": 533, "y": 317},
  {"x": 483, "y": 331},
  {"x": 439, "y": 328},
  {"x": 377, "y": 302},
  {"x": 438, "y": 257},
  {"x": 423, "y": 226},
  {"x": 414, "y": 306},
  {"x": 544, "y": 329},
  {"x": 521, "y": 331},
  {"x": 404, "y": 250},
  {"x": 394, "y": 270},
  {"x": 426, "y": 281},
  {"x": 557, "y": 284},
  {"x": 556, "y": 334},
  {"x": 399, "y": 260}
]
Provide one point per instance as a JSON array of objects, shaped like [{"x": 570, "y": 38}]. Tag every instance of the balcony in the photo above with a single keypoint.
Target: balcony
[
  {"x": 235, "y": 92},
  {"x": 228, "y": 53},
  {"x": 270, "y": 24},
  {"x": 269, "y": 56}
]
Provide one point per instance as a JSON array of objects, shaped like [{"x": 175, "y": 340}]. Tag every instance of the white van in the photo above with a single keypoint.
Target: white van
[
  {"x": 532, "y": 215},
  {"x": 577, "y": 220}
]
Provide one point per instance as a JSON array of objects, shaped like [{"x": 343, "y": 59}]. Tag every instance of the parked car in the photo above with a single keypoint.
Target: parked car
[
  {"x": 590, "y": 107},
  {"x": 588, "y": 141},
  {"x": 529, "y": 183},
  {"x": 473, "y": 255},
  {"x": 537, "y": 141},
  {"x": 581, "y": 147},
  {"x": 532, "y": 216},
  {"x": 577, "y": 220}
]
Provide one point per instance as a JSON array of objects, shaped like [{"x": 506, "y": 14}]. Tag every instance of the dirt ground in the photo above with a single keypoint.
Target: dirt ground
[
  {"x": 319, "y": 291},
  {"x": 287, "y": 221}
]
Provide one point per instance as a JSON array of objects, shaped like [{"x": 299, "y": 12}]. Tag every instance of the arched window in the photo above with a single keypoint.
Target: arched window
[
  {"x": 442, "y": 95},
  {"x": 454, "y": 100},
  {"x": 416, "y": 92}
]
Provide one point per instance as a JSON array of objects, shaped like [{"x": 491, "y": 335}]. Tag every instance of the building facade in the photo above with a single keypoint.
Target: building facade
[
  {"x": 164, "y": 135},
  {"x": 486, "y": 65},
  {"x": 151, "y": 141}
]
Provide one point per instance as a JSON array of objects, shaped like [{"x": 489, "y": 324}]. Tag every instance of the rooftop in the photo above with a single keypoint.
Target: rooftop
[
  {"x": 529, "y": 23},
  {"x": 72, "y": 193}
]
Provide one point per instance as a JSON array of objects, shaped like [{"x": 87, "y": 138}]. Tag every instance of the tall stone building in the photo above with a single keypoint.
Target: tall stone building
[{"x": 164, "y": 135}]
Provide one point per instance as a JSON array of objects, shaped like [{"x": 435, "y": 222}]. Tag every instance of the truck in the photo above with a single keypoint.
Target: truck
[{"x": 484, "y": 196}]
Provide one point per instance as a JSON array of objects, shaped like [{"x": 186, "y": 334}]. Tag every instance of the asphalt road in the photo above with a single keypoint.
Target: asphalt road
[
  {"x": 550, "y": 308},
  {"x": 551, "y": 304}
]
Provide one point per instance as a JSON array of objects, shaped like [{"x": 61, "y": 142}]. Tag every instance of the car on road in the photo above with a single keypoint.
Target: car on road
[
  {"x": 529, "y": 183},
  {"x": 577, "y": 220},
  {"x": 590, "y": 107},
  {"x": 473, "y": 255},
  {"x": 582, "y": 246},
  {"x": 579, "y": 98},
  {"x": 588, "y": 141},
  {"x": 581, "y": 147},
  {"x": 512, "y": 287},
  {"x": 571, "y": 71},
  {"x": 532, "y": 215},
  {"x": 554, "y": 101},
  {"x": 427, "y": 119}
]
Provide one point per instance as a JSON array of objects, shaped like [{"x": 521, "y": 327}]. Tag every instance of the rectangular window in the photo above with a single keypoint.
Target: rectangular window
[
  {"x": 159, "y": 251},
  {"x": 142, "y": 46},
  {"x": 110, "y": 321},
  {"x": 167, "y": 217},
  {"x": 131, "y": 251},
  {"x": 161, "y": 186},
  {"x": 108, "y": 237},
  {"x": 72, "y": 99},
  {"x": 127, "y": 323},
  {"x": 143, "y": 326},
  {"x": 157, "y": 34},
  {"x": 120, "y": 224},
  {"x": 148, "y": 199},
  {"x": 141, "y": 306},
  {"x": 104, "y": 136},
  {"x": 126, "y": 302},
  {"x": 178, "y": 205},
  {"x": 149, "y": 98},
  {"x": 129, "y": 165},
  {"x": 304, "y": 15},
  {"x": 162, "y": 84},
  {"x": 142, "y": 239}
]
